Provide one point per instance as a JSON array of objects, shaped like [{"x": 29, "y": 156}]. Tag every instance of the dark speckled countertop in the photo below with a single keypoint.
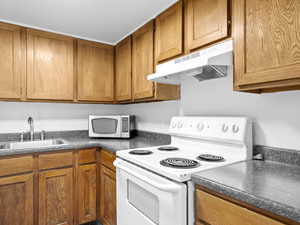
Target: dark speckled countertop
[
  {"x": 80, "y": 140},
  {"x": 268, "y": 185}
]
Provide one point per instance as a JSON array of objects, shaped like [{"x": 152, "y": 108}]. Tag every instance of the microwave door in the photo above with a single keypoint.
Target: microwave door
[{"x": 106, "y": 127}]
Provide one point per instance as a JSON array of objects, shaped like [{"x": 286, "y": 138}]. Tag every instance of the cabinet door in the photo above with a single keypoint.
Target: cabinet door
[
  {"x": 168, "y": 33},
  {"x": 16, "y": 200},
  {"x": 267, "y": 44},
  {"x": 87, "y": 193},
  {"x": 123, "y": 70},
  {"x": 142, "y": 61},
  {"x": 12, "y": 61},
  {"x": 49, "y": 66},
  {"x": 95, "y": 71},
  {"x": 206, "y": 22},
  {"x": 56, "y": 197},
  {"x": 108, "y": 196}
]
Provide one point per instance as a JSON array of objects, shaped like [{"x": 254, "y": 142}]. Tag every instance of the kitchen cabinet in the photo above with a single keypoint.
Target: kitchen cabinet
[
  {"x": 56, "y": 197},
  {"x": 50, "y": 73},
  {"x": 143, "y": 61},
  {"x": 143, "y": 65},
  {"x": 123, "y": 70},
  {"x": 12, "y": 61},
  {"x": 213, "y": 210},
  {"x": 266, "y": 34},
  {"x": 95, "y": 69},
  {"x": 107, "y": 189},
  {"x": 16, "y": 200},
  {"x": 87, "y": 193},
  {"x": 206, "y": 21},
  {"x": 169, "y": 33}
]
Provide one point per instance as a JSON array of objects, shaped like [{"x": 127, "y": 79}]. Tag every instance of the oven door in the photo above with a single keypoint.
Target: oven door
[
  {"x": 144, "y": 198},
  {"x": 105, "y": 126}
]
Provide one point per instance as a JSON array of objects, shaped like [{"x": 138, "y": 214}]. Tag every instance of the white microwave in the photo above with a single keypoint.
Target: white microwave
[{"x": 111, "y": 126}]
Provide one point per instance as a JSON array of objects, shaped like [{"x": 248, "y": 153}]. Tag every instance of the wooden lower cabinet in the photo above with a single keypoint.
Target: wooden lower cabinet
[
  {"x": 108, "y": 196},
  {"x": 16, "y": 200},
  {"x": 87, "y": 193},
  {"x": 213, "y": 210},
  {"x": 62, "y": 188},
  {"x": 56, "y": 197}
]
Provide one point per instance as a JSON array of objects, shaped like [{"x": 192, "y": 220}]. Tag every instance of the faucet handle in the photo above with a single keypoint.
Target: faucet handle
[
  {"x": 43, "y": 135},
  {"x": 22, "y": 136}
]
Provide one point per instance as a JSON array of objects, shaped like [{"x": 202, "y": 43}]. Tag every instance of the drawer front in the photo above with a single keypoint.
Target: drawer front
[
  {"x": 56, "y": 160},
  {"x": 107, "y": 159},
  {"x": 16, "y": 165},
  {"x": 216, "y": 211},
  {"x": 87, "y": 156}
]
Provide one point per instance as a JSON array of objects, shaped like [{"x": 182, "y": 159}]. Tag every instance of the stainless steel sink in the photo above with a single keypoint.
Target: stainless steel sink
[{"x": 32, "y": 144}]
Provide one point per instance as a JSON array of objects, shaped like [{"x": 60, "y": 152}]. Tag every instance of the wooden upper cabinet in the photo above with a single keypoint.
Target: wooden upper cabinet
[
  {"x": 16, "y": 194},
  {"x": 206, "y": 21},
  {"x": 95, "y": 69},
  {"x": 50, "y": 73},
  {"x": 123, "y": 70},
  {"x": 267, "y": 43},
  {"x": 12, "y": 61},
  {"x": 56, "y": 197},
  {"x": 169, "y": 33},
  {"x": 143, "y": 61}
]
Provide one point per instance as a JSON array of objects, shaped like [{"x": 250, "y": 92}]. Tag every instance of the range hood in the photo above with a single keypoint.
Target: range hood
[{"x": 209, "y": 63}]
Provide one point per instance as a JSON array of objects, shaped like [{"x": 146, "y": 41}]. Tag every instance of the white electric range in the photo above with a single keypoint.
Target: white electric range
[{"x": 154, "y": 184}]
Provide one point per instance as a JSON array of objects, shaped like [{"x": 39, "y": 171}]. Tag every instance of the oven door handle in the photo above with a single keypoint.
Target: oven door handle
[{"x": 163, "y": 187}]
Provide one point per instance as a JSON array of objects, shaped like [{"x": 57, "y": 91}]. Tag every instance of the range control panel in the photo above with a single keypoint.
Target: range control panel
[{"x": 228, "y": 128}]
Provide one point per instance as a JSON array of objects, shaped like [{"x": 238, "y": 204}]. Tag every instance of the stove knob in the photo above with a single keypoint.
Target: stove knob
[
  {"x": 235, "y": 128},
  {"x": 200, "y": 127},
  {"x": 174, "y": 124},
  {"x": 180, "y": 125},
  {"x": 224, "y": 128}
]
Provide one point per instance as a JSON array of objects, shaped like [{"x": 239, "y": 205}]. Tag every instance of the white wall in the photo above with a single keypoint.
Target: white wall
[
  {"x": 276, "y": 115},
  {"x": 50, "y": 116}
]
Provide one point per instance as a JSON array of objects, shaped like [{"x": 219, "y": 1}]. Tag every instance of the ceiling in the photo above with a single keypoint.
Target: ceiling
[{"x": 107, "y": 21}]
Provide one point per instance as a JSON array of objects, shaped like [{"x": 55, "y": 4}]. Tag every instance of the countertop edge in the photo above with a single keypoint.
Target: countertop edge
[{"x": 261, "y": 203}]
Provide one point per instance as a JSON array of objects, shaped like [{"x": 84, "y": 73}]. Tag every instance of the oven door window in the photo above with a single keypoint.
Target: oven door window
[
  {"x": 144, "y": 201},
  {"x": 104, "y": 125}
]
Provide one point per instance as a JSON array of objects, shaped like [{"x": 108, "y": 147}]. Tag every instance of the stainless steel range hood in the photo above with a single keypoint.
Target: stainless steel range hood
[{"x": 210, "y": 63}]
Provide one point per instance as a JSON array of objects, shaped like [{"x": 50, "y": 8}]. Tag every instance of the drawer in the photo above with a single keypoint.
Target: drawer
[
  {"x": 55, "y": 160},
  {"x": 87, "y": 156},
  {"x": 9, "y": 166},
  {"x": 215, "y": 211},
  {"x": 107, "y": 159}
]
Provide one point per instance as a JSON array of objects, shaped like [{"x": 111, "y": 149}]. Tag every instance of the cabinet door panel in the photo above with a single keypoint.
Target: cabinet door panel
[
  {"x": 142, "y": 61},
  {"x": 168, "y": 34},
  {"x": 206, "y": 22},
  {"x": 108, "y": 196},
  {"x": 49, "y": 66},
  {"x": 267, "y": 44},
  {"x": 16, "y": 200},
  {"x": 56, "y": 197},
  {"x": 95, "y": 71},
  {"x": 123, "y": 70},
  {"x": 87, "y": 193},
  {"x": 12, "y": 61}
]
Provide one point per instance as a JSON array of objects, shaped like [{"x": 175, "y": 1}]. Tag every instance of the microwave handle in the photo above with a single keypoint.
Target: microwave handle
[{"x": 167, "y": 188}]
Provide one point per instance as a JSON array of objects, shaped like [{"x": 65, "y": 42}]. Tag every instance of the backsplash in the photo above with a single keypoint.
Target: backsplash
[{"x": 50, "y": 116}]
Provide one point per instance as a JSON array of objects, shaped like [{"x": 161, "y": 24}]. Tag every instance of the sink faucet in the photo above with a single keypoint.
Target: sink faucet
[{"x": 31, "y": 126}]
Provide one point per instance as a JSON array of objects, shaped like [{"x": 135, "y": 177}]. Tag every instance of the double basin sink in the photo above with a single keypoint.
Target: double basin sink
[{"x": 32, "y": 144}]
